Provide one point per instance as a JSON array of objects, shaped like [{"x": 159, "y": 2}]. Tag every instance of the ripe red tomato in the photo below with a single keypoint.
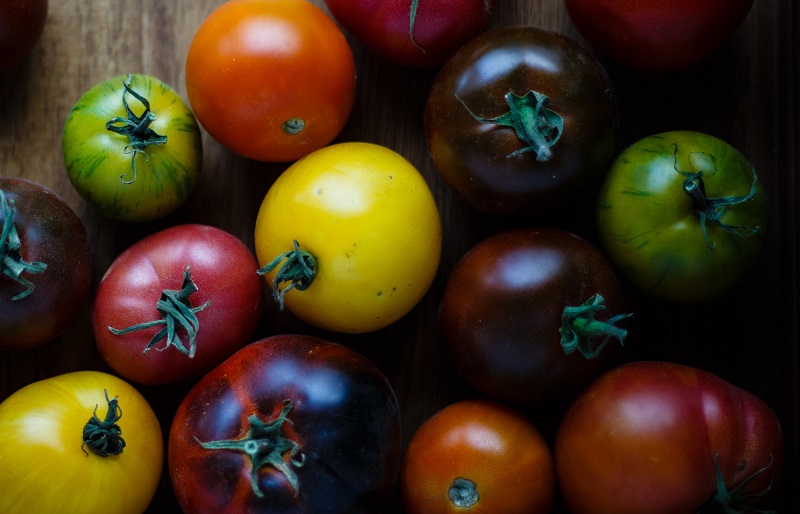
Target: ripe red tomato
[
  {"x": 412, "y": 32},
  {"x": 657, "y": 35},
  {"x": 272, "y": 80},
  {"x": 195, "y": 289},
  {"x": 658, "y": 437},
  {"x": 21, "y": 26},
  {"x": 288, "y": 424}
]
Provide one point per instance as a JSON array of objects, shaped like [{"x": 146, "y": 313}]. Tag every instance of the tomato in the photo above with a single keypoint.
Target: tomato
[
  {"x": 658, "y": 437},
  {"x": 176, "y": 304},
  {"x": 132, "y": 148},
  {"x": 520, "y": 120},
  {"x": 532, "y": 315},
  {"x": 476, "y": 457},
  {"x": 413, "y": 33},
  {"x": 290, "y": 423},
  {"x": 349, "y": 237},
  {"x": 657, "y": 35},
  {"x": 683, "y": 215},
  {"x": 21, "y": 25},
  {"x": 271, "y": 80},
  {"x": 45, "y": 264},
  {"x": 81, "y": 442}
]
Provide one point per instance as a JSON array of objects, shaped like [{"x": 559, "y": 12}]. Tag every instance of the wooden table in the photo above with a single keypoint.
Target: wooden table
[{"x": 747, "y": 94}]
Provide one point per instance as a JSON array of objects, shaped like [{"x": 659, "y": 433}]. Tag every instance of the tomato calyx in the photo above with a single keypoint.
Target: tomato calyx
[
  {"x": 176, "y": 311},
  {"x": 104, "y": 436},
  {"x": 535, "y": 124},
  {"x": 463, "y": 493},
  {"x": 266, "y": 445},
  {"x": 299, "y": 268},
  {"x": 412, "y": 18},
  {"x": 11, "y": 262},
  {"x": 579, "y": 327},
  {"x": 733, "y": 501},
  {"x": 135, "y": 128}
]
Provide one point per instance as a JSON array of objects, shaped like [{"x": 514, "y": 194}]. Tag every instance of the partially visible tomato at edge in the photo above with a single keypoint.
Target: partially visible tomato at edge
[{"x": 21, "y": 25}]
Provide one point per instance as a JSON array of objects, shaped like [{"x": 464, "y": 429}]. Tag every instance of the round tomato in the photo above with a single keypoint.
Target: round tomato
[
  {"x": 477, "y": 457},
  {"x": 132, "y": 148},
  {"x": 77, "y": 443},
  {"x": 45, "y": 264},
  {"x": 683, "y": 215},
  {"x": 520, "y": 119},
  {"x": 349, "y": 237},
  {"x": 288, "y": 424},
  {"x": 657, "y": 35},
  {"x": 410, "y": 32},
  {"x": 271, "y": 80},
  {"x": 21, "y": 25},
  {"x": 658, "y": 437},
  {"x": 530, "y": 315},
  {"x": 176, "y": 304}
]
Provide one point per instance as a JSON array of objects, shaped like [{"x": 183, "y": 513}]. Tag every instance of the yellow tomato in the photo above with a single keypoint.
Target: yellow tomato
[
  {"x": 48, "y": 468},
  {"x": 371, "y": 230}
]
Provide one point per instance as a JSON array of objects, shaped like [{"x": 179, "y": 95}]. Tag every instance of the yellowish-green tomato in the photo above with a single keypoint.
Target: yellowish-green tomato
[{"x": 349, "y": 237}]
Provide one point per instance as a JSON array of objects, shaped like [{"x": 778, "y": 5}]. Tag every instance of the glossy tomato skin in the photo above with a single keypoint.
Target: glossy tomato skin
[
  {"x": 271, "y": 80},
  {"x": 657, "y": 35},
  {"x": 487, "y": 164},
  {"x": 500, "y": 315},
  {"x": 644, "y": 436},
  {"x": 650, "y": 229},
  {"x": 440, "y": 27},
  {"x": 50, "y": 232},
  {"x": 21, "y": 25},
  {"x": 344, "y": 418},
  {"x": 224, "y": 271},
  {"x": 483, "y": 447}
]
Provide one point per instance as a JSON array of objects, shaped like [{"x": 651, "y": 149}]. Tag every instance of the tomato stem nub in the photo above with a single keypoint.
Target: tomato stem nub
[
  {"x": 266, "y": 445},
  {"x": 463, "y": 493},
  {"x": 176, "y": 311},
  {"x": 579, "y": 327},
  {"x": 11, "y": 262},
  {"x": 104, "y": 436},
  {"x": 733, "y": 501},
  {"x": 300, "y": 269}
]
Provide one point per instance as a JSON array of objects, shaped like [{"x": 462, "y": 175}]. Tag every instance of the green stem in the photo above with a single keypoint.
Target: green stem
[
  {"x": 299, "y": 269},
  {"x": 579, "y": 328},
  {"x": 733, "y": 501},
  {"x": 104, "y": 436},
  {"x": 412, "y": 18},
  {"x": 12, "y": 264}
]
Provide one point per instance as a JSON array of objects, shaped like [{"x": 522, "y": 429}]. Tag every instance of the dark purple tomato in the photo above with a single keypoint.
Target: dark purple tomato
[
  {"x": 21, "y": 26},
  {"x": 530, "y": 315}
]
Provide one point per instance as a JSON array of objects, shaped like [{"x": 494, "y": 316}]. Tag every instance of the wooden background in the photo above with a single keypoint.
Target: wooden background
[{"x": 747, "y": 94}]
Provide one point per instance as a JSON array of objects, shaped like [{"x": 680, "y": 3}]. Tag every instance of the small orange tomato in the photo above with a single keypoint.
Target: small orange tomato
[
  {"x": 478, "y": 457},
  {"x": 271, "y": 80}
]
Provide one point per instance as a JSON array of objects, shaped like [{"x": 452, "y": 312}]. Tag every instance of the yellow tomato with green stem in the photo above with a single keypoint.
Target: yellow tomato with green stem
[{"x": 349, "y": 237}]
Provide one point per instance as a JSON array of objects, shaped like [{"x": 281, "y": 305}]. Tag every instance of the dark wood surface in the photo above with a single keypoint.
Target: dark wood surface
[{"x": 747, "y": 94}]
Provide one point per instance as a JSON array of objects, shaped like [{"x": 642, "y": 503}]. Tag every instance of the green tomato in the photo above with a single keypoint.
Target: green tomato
[
  {"x": 683, "y": 216},
  {"x": 132, "y": 148}
]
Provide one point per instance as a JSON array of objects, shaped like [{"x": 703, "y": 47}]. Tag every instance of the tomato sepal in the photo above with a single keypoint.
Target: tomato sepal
[
  {"x": 104, "y": 436},
  {"x": 299, "y": 268},
  {"x": 12, "y": 264},
  {"x": 579, "y": 327},
  {"x": 733, "y": 501}
]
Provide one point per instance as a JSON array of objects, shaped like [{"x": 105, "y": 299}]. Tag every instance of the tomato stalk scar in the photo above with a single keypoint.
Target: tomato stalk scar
[
  {"x": 104, "y": 436},
  {"x": 11, "y": 262},
  {"x": 579, "y": 327},
  {"x": 300, "y": 269},
  {"x": 463, "y": 493}
]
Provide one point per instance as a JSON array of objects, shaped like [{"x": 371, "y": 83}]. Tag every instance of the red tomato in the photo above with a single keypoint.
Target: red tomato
[
  {"x": 198, "y": 279},
  {"x": 21, "y": 26},
  {"x": 658, "y": 437},
  {"x": 411, "y": 32},
  {"x": 657, "y": 35},
  {"x": 272, "y": 80}
]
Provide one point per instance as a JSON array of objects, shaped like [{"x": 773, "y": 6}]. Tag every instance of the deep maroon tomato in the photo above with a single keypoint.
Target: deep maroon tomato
[
  {"x": 659, "y": 437},
  {"x": 288, "y": 424},
  {"x": 414, "y": 33},
  {"x": 520, "y": 120},
  {"x": 177, "y": 303},
  {"x": 21, "y": 26},
  {"x": 529, "y": 315},
  {"x": 657, "y": 35},
  {"x": 45, "y": 264}
]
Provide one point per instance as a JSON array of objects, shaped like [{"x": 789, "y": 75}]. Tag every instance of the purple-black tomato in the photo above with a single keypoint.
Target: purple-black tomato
[{"x": 21, "y": 25}]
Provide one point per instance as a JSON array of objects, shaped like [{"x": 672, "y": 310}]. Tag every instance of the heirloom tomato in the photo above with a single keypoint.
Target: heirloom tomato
[
  {"x": 21, "y": 25},
  {"x": 132, "y": 148},
  {"x": 288, "y": 424},
  {"x": 658, "y": 437},
  {"x": 176, "y": 304},
  {"x": 271, "y": 80},
  {"x": 478, "y": 457},
  {"x": 520, "y": 119},
  {"x": 530, "y": 315},
  {"x": 45, "y": 264},
  {"x": 79, "y": 443},
  {"x": 412, "y": 32},
  {"x": 683, "y": 215},
  {"x": 349, "y": 237},
  {"x": 657, "y": 35}
]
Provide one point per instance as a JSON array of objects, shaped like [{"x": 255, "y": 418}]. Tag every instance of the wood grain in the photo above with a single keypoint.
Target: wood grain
[{"x": 746, "y": 94}]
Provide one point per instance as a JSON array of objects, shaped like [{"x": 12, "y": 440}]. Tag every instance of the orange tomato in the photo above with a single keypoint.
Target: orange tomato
[
  {"x": 271, "y": 80},
  {"x": 478, "y": 457}
]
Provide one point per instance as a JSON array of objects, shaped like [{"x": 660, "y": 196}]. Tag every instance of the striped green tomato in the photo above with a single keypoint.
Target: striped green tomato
[{"x": 132, "y": 148}]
